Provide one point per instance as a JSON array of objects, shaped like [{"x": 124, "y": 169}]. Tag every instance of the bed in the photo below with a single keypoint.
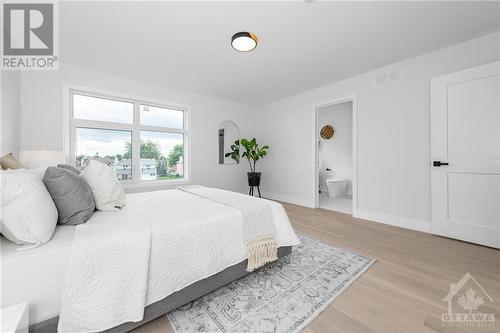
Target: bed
[{"x": 202, "y": 251}]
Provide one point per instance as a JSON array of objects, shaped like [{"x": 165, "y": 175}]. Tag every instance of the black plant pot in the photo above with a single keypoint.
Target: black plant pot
[{"x": 253, "y": 178}]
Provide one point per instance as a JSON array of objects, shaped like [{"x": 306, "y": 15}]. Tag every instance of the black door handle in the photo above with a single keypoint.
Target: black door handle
[{"x": 439, "y": 163}]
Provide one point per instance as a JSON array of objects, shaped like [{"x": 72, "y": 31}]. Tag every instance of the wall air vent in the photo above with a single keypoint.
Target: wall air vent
[{"x": 388, "y": 77}]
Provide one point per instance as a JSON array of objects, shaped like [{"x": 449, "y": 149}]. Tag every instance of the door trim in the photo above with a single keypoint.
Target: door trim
[{"x": 349, "y": 98}]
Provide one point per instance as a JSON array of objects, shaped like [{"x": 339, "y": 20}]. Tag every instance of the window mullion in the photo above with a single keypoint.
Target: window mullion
[
  {"x": 102, "y": 125},
  {"x": 136, "y": 146},
  {"x": 162, "y": 129}
]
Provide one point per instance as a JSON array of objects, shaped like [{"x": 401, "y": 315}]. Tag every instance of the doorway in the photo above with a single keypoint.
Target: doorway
[{"x": 335, "y": 177}]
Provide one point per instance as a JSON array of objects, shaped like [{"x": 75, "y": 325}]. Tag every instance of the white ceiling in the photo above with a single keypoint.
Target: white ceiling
[{"x": 302, "y": 45}]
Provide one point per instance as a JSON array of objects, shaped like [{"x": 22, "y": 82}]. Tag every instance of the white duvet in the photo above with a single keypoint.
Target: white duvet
[{"x": 159, "y": 243}]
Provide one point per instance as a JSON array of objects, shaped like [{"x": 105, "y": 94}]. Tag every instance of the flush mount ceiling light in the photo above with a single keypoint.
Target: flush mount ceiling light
[{"x": 244, "y": 41}]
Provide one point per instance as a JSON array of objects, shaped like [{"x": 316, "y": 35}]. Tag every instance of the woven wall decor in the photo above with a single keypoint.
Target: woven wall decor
[{"x": 327, "y": 132}]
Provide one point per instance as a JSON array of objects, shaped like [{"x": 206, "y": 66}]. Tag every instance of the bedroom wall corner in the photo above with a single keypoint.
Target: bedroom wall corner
[{"x": 10, "y": 112}]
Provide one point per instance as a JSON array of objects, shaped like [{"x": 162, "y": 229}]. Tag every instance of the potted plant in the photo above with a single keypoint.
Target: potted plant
[{"x": 253, "y": 153}]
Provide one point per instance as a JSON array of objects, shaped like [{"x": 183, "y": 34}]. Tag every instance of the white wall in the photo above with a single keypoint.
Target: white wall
[
  {"x": 393, "y": 135},
  {"x": 42, "y": 117},
  {"x": 11, "y": 112},
  {"x": 336, "y": 153}
]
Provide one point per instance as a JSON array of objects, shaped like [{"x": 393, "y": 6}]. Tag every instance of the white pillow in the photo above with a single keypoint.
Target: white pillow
[
  {"x": 29, "y": 216},
  {"x": 106, "y": 188}
]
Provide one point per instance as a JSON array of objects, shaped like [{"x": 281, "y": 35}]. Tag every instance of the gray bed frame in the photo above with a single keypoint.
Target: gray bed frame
[{"x": 171, "y": 302}]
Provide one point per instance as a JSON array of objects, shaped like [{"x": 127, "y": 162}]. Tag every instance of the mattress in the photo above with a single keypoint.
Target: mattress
[{"x": 36, "y": 275}]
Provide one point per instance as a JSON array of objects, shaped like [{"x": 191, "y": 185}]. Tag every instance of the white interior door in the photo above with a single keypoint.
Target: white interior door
[{"x": 465, "y": 133}]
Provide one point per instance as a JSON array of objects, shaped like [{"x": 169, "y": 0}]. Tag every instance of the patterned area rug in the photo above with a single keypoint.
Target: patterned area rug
[{"x": 281, "y": 297}]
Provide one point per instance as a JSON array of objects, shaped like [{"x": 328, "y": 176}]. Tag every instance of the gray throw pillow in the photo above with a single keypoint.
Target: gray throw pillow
[
  {"x": 70, "y": 168},
  {"x": 71, "y": 194}
]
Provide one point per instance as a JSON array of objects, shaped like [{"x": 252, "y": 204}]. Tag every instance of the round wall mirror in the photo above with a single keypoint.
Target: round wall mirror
[{"x": 228, "y": 133}]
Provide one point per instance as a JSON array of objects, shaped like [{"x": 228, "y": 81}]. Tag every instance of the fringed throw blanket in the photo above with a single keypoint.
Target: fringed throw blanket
[{"x": 258, "y": 224}]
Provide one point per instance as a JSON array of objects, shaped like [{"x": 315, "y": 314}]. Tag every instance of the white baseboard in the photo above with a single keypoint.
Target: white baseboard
[
  {"x": 397, "y": 221},
  {"x": 288, "y": 199}
]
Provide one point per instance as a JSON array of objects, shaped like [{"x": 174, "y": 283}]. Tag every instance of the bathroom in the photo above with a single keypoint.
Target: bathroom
[{"x": 335, "y": 156}]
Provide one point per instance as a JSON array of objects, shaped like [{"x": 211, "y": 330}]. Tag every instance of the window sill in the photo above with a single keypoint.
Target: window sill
[{"x": 154, "y": 185}]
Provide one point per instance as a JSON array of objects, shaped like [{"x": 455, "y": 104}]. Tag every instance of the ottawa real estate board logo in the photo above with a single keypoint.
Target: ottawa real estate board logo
[
  {"x": 468, "y": 305},
  {"x": 29, "y": 36}
]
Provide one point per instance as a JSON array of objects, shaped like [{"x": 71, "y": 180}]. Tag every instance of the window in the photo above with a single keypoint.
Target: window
[
  {"x": 141, "y": 141},
  {"x": 169, "y": 166},
  {"x": 101, "y": 109},
  {"x": 106, "y": 146},
  {"x": 156, "y": 116}
]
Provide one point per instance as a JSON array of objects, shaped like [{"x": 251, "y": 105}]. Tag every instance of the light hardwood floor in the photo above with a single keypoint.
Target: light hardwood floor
[{"x": 404, "y": 290}]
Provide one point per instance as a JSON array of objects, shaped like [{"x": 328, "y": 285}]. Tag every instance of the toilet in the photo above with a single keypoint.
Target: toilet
[{"x": 337, "y": 187}]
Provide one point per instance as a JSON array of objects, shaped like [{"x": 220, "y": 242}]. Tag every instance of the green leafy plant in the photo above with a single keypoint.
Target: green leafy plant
[
  {"x": 253, "y": 152},
  {"x": 235, "y": 151}
]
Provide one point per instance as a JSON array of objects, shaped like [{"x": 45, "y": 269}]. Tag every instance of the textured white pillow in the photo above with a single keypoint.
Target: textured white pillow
[
  {"x": 29, "y": 216},
  {"x": 106, "y": 188}
]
